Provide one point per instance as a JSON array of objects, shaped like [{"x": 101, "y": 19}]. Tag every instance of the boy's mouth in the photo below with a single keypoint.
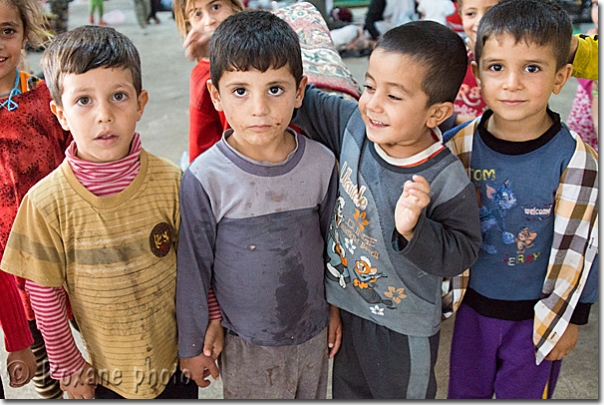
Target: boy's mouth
[
  {"x": 105, "y": 136},
  {"x": 376, "y": 123},
  {"x": 512, "y": 102}
]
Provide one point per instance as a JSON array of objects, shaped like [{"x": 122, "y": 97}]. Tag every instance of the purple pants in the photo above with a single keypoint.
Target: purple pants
[{"x": 496, "y": 357}]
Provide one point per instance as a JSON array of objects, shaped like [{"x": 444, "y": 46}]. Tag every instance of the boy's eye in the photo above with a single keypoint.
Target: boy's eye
[
  {"x": 83, "y": 100},
  {"x": 395, "y": 98},
  {"x": 469, "y": 14},
  {"x": 8, "y": 31},
  {"x": 368, "y": 87},
  {"x": 216, "y": 6},
  {"x": 496, "y": 68},
  {"x": 240, "y": 91},
  {"x": 119, "y": 96},
  {"x": 275, "y": 91},
  {"x": 532, "y": 69}
]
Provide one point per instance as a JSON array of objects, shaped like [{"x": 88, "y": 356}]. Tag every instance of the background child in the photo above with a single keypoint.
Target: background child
[
  {"x": 96, "y": 5},
  {"x": 583, "y": 117},
  {"x": 102, "y": 229},
  {"x": 322, "y": 64},
  {"x": 205, "y": 123},
  {"x": 537, "y": 188},
  {"x": 34, "y": 143},
  {"x": 141, "y": 11},
  {"x": 469, "y": 103},
  {"x": 255, "y": 209},
  {"x": 405, "y": 216},
  {"x": 382, "y": 15}
]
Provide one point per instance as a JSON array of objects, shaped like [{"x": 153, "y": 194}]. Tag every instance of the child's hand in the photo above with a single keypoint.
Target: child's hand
[
  {"x": 197, "y": 43},
  {"x": 415, "y": 196},
  {"x": 82, "y": 384},
  {"x": 334, "y": 331},
  {"x": 566, "y": 344},
  {"x": 21, "y": 367},
  {"x": 214, "y": 339},
  {"x": 199, "y": 368}
]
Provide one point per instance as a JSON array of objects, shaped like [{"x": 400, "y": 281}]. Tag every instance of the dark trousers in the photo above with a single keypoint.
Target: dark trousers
[
  {"x": 376, "y": 362},
  {"x": 178, "y": 387},
  {"x": 153, "y": 9}
]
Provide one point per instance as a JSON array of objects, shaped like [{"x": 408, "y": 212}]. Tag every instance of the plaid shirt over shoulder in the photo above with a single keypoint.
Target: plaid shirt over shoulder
[{"x": 574, "y": 246}]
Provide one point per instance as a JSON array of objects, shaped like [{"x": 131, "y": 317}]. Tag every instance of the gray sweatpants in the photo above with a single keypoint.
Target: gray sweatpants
[{"x": 274, "y": 372}]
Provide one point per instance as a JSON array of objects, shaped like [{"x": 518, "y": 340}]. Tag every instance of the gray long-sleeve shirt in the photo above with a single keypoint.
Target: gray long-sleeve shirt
[
  {"x": 374, "y": 272},
  {"x": 256, "y": 233}
]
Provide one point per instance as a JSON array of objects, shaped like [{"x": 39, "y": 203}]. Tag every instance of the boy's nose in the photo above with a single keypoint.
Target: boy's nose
[
  {"x": 104, "y": 113},
  {"x": 512, "y": 81},
  {"x": 374, "y": 104},
  {"x": 259, "y": 106}
]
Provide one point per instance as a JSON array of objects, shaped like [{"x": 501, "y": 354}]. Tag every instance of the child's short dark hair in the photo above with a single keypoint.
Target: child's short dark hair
[
  {"x": 438, "y": 48},
  {"x": 540, "y": 22},
  {"x": 254, "y": 39},
  {"x": 85, "y": 48}
]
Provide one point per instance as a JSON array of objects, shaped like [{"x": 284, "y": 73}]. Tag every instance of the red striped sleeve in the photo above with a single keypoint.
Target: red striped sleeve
[
  {"x": 213, "y": 306},
  {"x": 17, "y": 335},
  {"x": 49, "y": 305}
]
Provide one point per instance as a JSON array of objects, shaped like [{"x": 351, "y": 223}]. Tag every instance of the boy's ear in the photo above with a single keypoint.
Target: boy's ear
[
  {"x": 143, "y": 98},
  {"x": 58, "y": 111},
  {"x": 214, "y": 95},
  {"x": 438, "y": 113},
  {"x": 475, "y": 73},
  {"x": 562, "y": 77},
  {"x": 300, "y": 91}
]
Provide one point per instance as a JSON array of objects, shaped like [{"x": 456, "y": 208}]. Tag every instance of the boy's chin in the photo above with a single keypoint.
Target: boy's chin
[{"x": 373, "y": 134}]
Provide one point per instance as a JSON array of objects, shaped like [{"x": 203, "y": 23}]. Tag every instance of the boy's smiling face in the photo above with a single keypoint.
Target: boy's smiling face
[
  {"x": 394, "y": 106},
  {"x": 101, "y": 109},
  {"x": 517, "y": 79},
  {"x": 258, "y": 107}
]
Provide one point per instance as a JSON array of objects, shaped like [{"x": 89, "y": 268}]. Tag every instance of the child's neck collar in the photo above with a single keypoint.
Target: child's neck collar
[
  {"x": 506, "y": 147},
  {"x": 418, "y": 158},
  {"x": 521, "y": 132}
]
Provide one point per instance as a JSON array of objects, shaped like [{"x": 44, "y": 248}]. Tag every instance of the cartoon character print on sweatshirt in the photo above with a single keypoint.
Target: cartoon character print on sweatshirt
[
  {"x": 337, "y": 271},
  {"x": 493, "y": 211},
  {"x": 365, "y": 283},
  {"x": 525, "y": 239},
  {"x": 352, "y": 249},
  {"x": 526, "y": 252}
]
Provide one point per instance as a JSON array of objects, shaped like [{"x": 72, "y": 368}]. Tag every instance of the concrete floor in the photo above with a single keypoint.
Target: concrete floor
[{"x": 164, "y": 130}]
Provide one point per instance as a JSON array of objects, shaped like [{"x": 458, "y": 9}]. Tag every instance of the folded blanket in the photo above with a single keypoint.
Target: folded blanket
[{"x": 322, "y": 62}]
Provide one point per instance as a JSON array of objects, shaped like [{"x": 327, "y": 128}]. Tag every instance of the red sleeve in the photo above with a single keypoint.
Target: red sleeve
[
  {"x": 20, "y": 284},
  {"x": 49, "y": 304},
  {"x": 17, "y": 335},
  {"x": 205, "y": 125},
  {"x": 213, "y": 307}
]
